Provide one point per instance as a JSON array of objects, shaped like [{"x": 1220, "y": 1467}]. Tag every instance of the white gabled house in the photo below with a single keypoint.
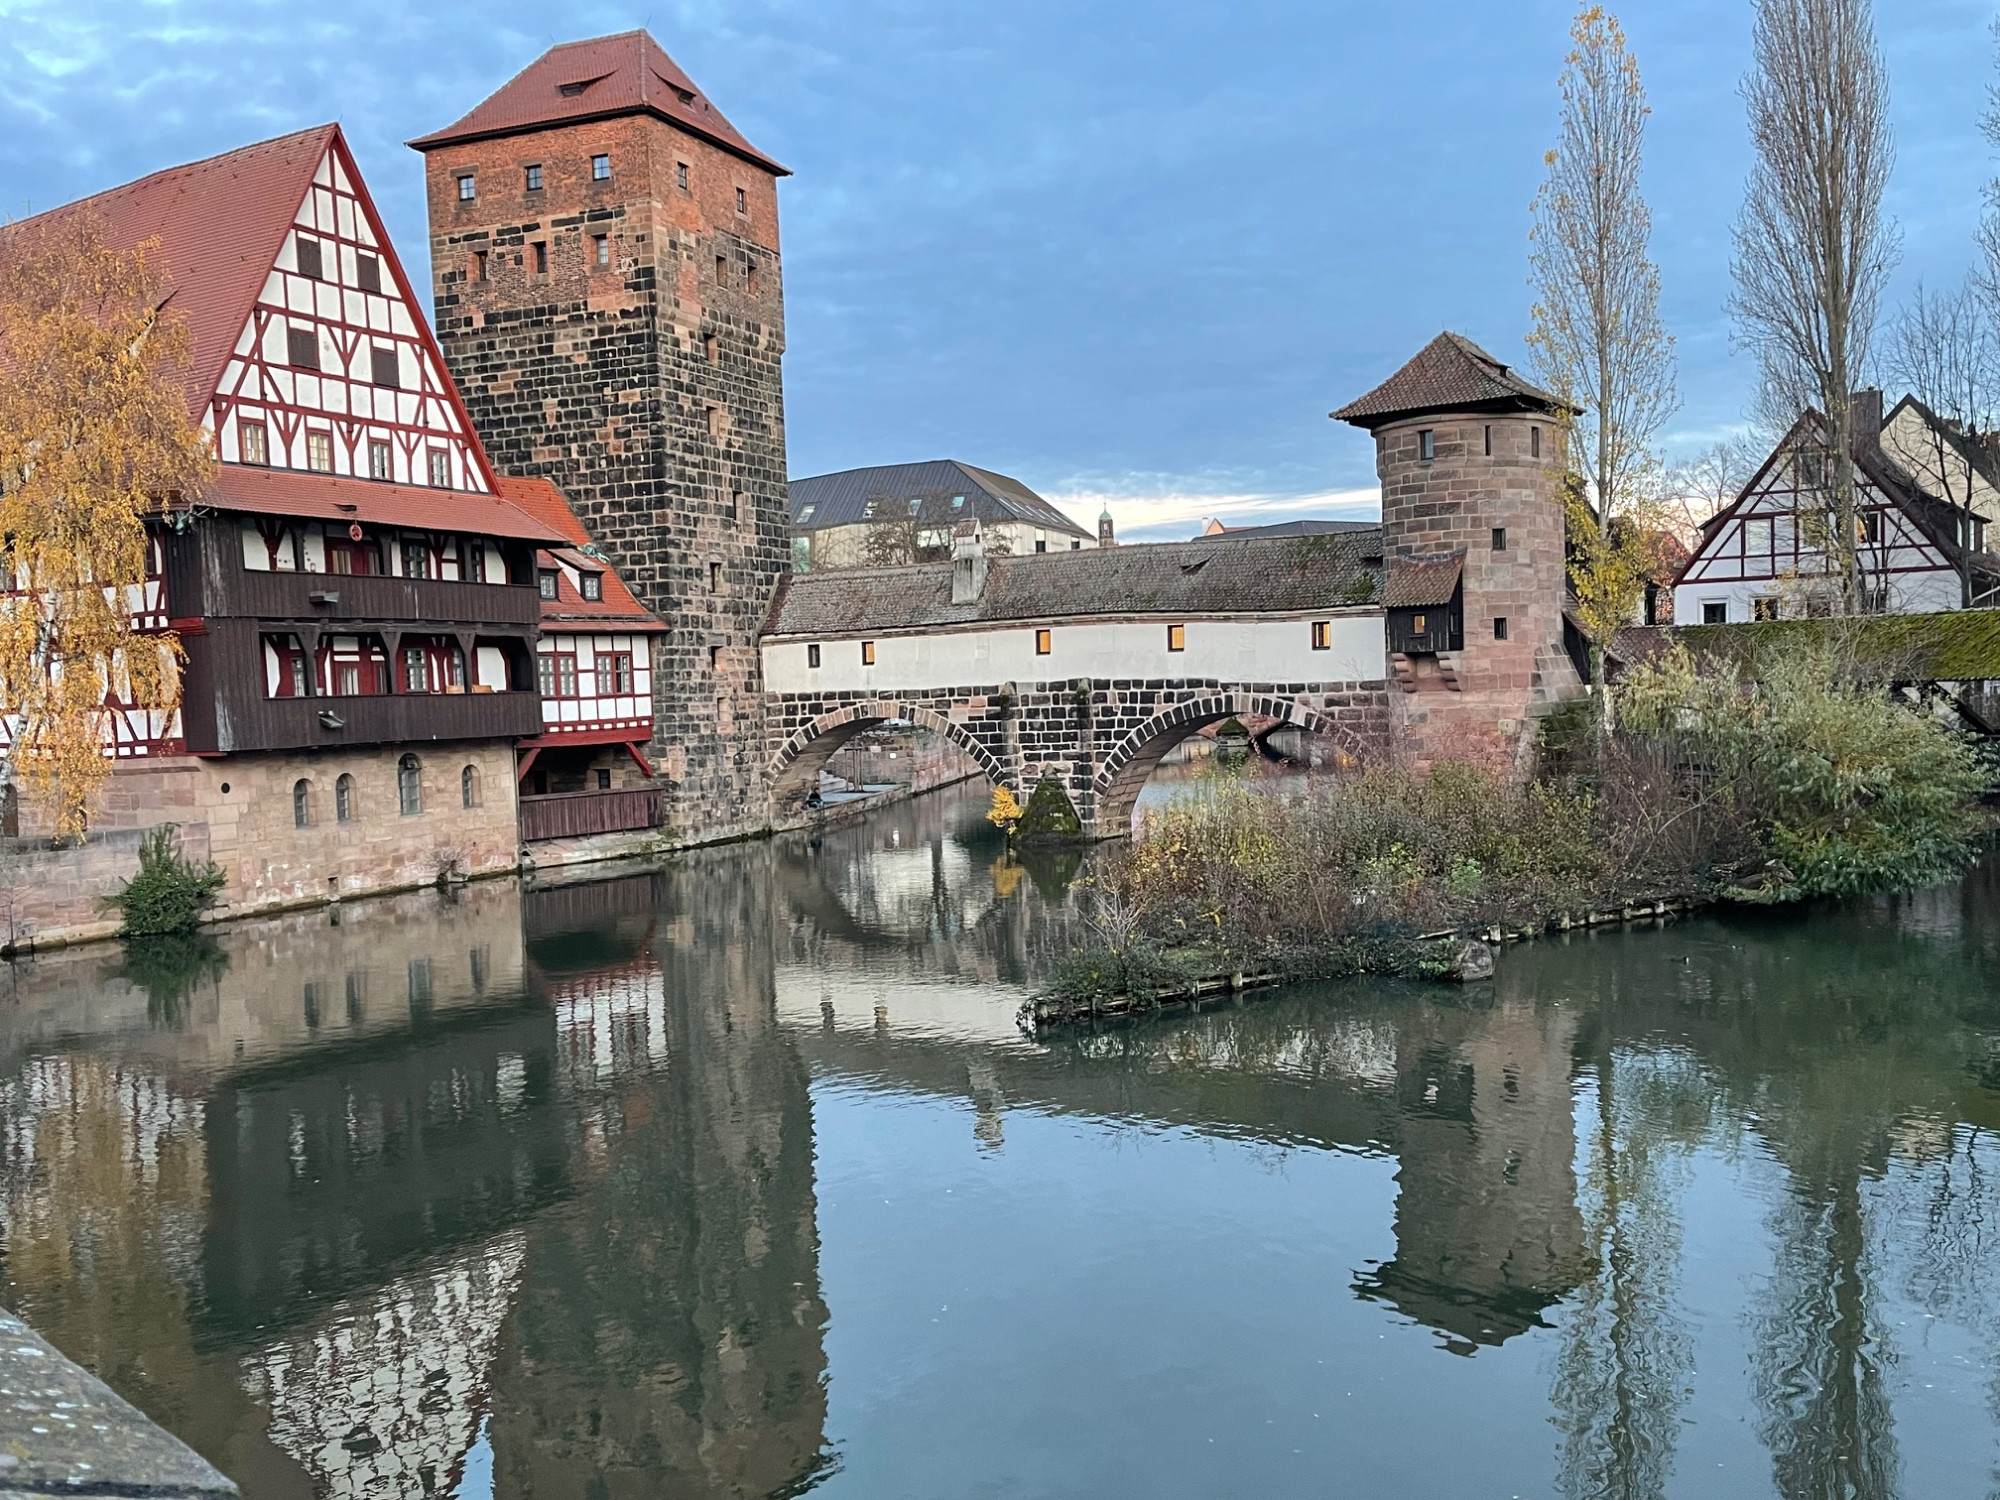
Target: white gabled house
[{"x": 1763, "y": 557}]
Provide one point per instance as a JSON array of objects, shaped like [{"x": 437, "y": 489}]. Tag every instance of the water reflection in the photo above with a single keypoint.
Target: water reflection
[{"x": 645, "y": 1186}]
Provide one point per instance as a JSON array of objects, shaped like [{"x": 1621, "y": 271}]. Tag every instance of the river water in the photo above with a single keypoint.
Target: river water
[{"x": 736, "y": 1178}]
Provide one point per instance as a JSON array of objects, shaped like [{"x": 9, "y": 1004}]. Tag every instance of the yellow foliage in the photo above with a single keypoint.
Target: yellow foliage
[
  {"x": 1005, "y": 811},
  {"x": 94, "y": 435}
]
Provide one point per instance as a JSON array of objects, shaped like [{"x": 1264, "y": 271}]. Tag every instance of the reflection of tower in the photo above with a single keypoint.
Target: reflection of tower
[
  {"x": 668, "y": 1338},
  {"x": 1487, "y": 1228}
]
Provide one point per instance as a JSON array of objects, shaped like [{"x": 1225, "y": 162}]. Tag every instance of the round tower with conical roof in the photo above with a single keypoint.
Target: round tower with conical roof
[{"x": 1472, "y": 530}]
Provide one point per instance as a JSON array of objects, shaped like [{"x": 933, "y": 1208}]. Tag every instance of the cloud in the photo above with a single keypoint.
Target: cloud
[{"x": 1144, "y": 517}]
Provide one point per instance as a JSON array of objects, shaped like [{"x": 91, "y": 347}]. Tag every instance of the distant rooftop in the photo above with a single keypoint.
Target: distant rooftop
[
  {"x": 938, "y": 492},
  {"x": 1285, "y": 528}
]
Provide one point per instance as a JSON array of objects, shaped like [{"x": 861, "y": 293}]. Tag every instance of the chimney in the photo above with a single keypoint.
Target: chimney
[
  {"x": 1865, "y": 413},
  {"x": 968, "y": 562},
  {"x": 1105, "y": 538}
]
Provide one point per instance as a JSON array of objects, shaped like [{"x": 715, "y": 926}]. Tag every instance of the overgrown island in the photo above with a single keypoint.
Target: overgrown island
[{"x": 1793, "y": 776}]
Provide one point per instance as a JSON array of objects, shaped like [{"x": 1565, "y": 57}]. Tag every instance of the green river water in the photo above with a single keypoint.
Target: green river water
[{"x": 735, "y": 1178}]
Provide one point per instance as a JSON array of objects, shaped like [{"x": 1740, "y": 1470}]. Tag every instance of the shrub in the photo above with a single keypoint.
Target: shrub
[{"x": 169, "y": 892}]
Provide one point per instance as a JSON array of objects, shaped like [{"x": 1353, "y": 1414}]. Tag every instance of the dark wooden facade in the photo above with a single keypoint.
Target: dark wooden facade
[
  {"x": 223, "y": 610},
  {"x": 1425, "y": 630}
]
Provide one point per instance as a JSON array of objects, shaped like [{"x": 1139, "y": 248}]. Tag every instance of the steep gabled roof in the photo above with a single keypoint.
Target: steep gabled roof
[
  {"x": 549, "y": 508},
  {"x": 853, "y": 497},
  {"x": 220, "y": 224},
  {"x": 598, "y": 79},
  {"x": 1450, "y": 373}
]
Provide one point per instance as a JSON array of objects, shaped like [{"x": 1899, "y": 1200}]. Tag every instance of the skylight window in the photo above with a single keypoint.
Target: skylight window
[{"x": 806, "y": 513}]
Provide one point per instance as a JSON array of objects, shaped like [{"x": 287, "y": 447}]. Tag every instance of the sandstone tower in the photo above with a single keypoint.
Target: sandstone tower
[
  {"x": 604, "y": 263},
  {"x": 1472, "y": 533}
]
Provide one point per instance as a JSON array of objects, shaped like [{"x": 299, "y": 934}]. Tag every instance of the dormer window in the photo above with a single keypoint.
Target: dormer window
[
  {"x": 310, "y": 263},
  {"x": 535, "y": 178},
  {"x": 600, "y": 169},
  {"x": 592, "y": 586},
  {"x": 545, "y": 582},
  {"x": 806, "y": 513}
]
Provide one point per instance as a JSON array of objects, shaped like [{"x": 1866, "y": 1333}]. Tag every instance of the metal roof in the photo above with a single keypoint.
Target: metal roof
[{"x": 885, "y": 492}]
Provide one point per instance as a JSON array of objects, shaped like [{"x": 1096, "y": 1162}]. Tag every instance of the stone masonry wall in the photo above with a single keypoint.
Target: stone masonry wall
[
  {"x": 1100, "y": 739},
  {"x": 650, "y": 391},
  {"x": 1452, "y": 502}
]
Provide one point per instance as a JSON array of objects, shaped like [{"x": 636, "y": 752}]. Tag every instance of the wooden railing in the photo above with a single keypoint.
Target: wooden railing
[{"x": 568, "y": 815}]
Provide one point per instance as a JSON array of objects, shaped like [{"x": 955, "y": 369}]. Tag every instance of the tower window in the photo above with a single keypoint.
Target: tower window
[
  {"x": 302, "y": 348},
  {"x": 721, "y": 269},
  {"x": 601, "y": 249},
  {"x": 713, "y": 417},
  {"x": 715, "y": 658},
  {"x": 736, "y": 505},
  {"x": 1044, "y": 642},
  {"x": 1499, "y": 627},
  {"x": 600, "y": 169},
  {"x": 812, "y": 655},
  {"x": 742, "y": 202},
  {"x": 1426, "y": 448},
  {"x": 479, "y": 265},
  {"x": 468, "y": 188},
  {"x": 1322, "y": 635},
  {"x": 541, "y": 257},
  {"x": 867, "y": 653},
  {"x": 1534, "y": 442},
  {"x": 1499, "y": 538},
  {"x": 708, "y": 347},
  {"x": 535, "y": 178},
  {"x": 382, "y": 365},
  {"x": 715, "y": 577},
  {"x": 367, "y": 272},
  {"x": 310, "y": 263},
  {"x": 750, "y": 278},
  {"x": 681, "y": 175},
  {"x": 1177, "y": 637}
]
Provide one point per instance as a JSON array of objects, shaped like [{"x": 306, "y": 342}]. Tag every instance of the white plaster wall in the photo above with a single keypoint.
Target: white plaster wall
[
  {"x": 1909, "y": 594},
  {"x": 1231, "y": 650}
]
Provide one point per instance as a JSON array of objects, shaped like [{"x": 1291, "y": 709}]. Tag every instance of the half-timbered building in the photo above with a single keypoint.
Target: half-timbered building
[
  {"x": 1766, "y": 555},
  {"x": 357, "y": 601}
]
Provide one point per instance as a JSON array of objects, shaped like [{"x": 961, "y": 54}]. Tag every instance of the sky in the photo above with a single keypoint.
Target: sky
[{"x": 1131, "y": 254}]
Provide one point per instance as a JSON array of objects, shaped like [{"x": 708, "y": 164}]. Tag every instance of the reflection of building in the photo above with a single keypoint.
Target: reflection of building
[{"x": 1488, "y": 1234}]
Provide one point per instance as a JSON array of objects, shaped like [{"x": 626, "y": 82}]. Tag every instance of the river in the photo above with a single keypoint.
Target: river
[{"x": 735, "y": 1178}]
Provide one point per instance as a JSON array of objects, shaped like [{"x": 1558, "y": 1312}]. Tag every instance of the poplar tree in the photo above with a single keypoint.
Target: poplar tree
[
  {"x": 1597, "y": 340},
  {"x": 1812, "y": 245},
  {"x": 94, "y": 436}
]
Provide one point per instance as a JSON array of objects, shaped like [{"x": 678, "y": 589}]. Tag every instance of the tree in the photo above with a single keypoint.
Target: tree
[
  {"x": 94, "y": 436},
  {"x": 1812, "y": 246},
  {"x": 1701, "y": 485},
  {"x": 1597, "y": 340}
]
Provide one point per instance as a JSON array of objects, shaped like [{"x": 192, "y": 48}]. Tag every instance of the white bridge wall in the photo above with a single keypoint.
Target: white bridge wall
[{"x": 1235, "y": 650}]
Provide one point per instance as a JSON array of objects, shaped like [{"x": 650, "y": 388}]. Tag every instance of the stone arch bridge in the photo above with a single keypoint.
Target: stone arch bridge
[{"x": 1082, "y": 667}]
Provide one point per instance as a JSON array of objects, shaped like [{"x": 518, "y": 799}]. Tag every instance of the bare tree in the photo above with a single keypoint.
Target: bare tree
[
  {"x": 1701, "y": 485},
  {"x": 1813, "y": 247},
  {"x": 1597, "y": 338}
]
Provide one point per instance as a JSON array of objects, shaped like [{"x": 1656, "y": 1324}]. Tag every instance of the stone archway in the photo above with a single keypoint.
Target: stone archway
[
  {"x": 1134, "y": 758},
  {"x": 796, "y": 767}
]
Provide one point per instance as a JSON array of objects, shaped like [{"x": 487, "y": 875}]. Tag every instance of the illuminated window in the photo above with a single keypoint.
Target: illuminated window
[
  {"x": 1044, "y": 641},
  {"x": 867, "y": 653},
  {"x": 1177, "y": 637},
  {"x": 1420, "y": 625},
  {"x": 1322, "y": 635}
]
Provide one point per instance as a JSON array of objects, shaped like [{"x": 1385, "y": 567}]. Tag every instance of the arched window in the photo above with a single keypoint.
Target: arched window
[
  {"x": 343, "y": 799},
  {"x": 410, "y": 785},
  {"x": 302, "y": 806},
  {"x": 468, "y": 786}
]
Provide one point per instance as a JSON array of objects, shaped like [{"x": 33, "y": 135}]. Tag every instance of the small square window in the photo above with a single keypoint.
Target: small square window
[
  {"x": 541, "y": 257},
  {"x": 1499, "y": 627},
  {"x": 1426, "y": 446},
  {"x": 252, "y": 443},
  {"x": 302, "y": 348},
  {"x": 383, "y": 367},
  {"x": 367, "y": 272},
  {"x": 310, "y": 263},
  {"x": 812, "y": 655},
  {"x": 535, "y": 178},
  {"x": 1177, "y": 637},
  {"x": 681, "y": 175},
  {"x": 319, "y": 452},
  {"x": 600, "y": 169},
  {"x": 1420, "y": 625},
  {"x": 1044, "y": 642},
  {"x": 1715, "y": 612},
  {"x": 468, "y": 188},
  {"x": 545, "y": 581},
  {"x": 591, "y": 586},
  {"x": 742, "y": 202},
  {"x": 1499, "y": 538},
  {"x": 378, "y": 459},
  {"x": 867, "y": 653},
  {"x": 440, "y": 460},
  {"x": 1322, "y": 635}
]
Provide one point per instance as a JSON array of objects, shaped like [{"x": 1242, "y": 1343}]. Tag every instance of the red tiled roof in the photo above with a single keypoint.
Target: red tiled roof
[
  {"x": 331, "y": 497},
  {"x": 541, "y": 500},
  {"x": 625, "y": 74},
  {"x": 220, "y": 224},
  {"x": 1420, "y": 585},
  {"x": 1448, "y": 373}
]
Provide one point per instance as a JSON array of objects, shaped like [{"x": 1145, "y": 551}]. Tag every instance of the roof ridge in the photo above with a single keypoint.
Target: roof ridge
[{"x": 329, "y": 130}]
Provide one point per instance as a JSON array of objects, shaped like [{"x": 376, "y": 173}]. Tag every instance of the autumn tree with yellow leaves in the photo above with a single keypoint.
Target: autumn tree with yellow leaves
[{"x": 94, "y": 436}]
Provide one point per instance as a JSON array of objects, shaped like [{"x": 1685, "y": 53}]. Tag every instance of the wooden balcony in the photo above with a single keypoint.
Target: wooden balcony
[
  {"x": 340, "y": 598},
  {"x": 567, "y": 815},
  {"x": 258, "y": 723}
]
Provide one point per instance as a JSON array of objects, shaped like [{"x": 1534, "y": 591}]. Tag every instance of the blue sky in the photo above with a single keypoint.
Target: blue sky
[{"x": 1120, "y": 250}]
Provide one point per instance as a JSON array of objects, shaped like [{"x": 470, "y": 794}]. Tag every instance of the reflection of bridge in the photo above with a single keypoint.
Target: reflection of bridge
[{"x": 1083, "y": 667}]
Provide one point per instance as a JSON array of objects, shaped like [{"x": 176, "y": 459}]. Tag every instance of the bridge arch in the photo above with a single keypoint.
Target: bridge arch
[
  {"x": 795, "y": 770},
  {"x": 1123, "y": 772}
]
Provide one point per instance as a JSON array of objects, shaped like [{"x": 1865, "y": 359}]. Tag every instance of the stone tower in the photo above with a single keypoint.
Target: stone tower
[
  {"x": 604, "y": 263},
  {"x": 1472, "y": 532}
]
